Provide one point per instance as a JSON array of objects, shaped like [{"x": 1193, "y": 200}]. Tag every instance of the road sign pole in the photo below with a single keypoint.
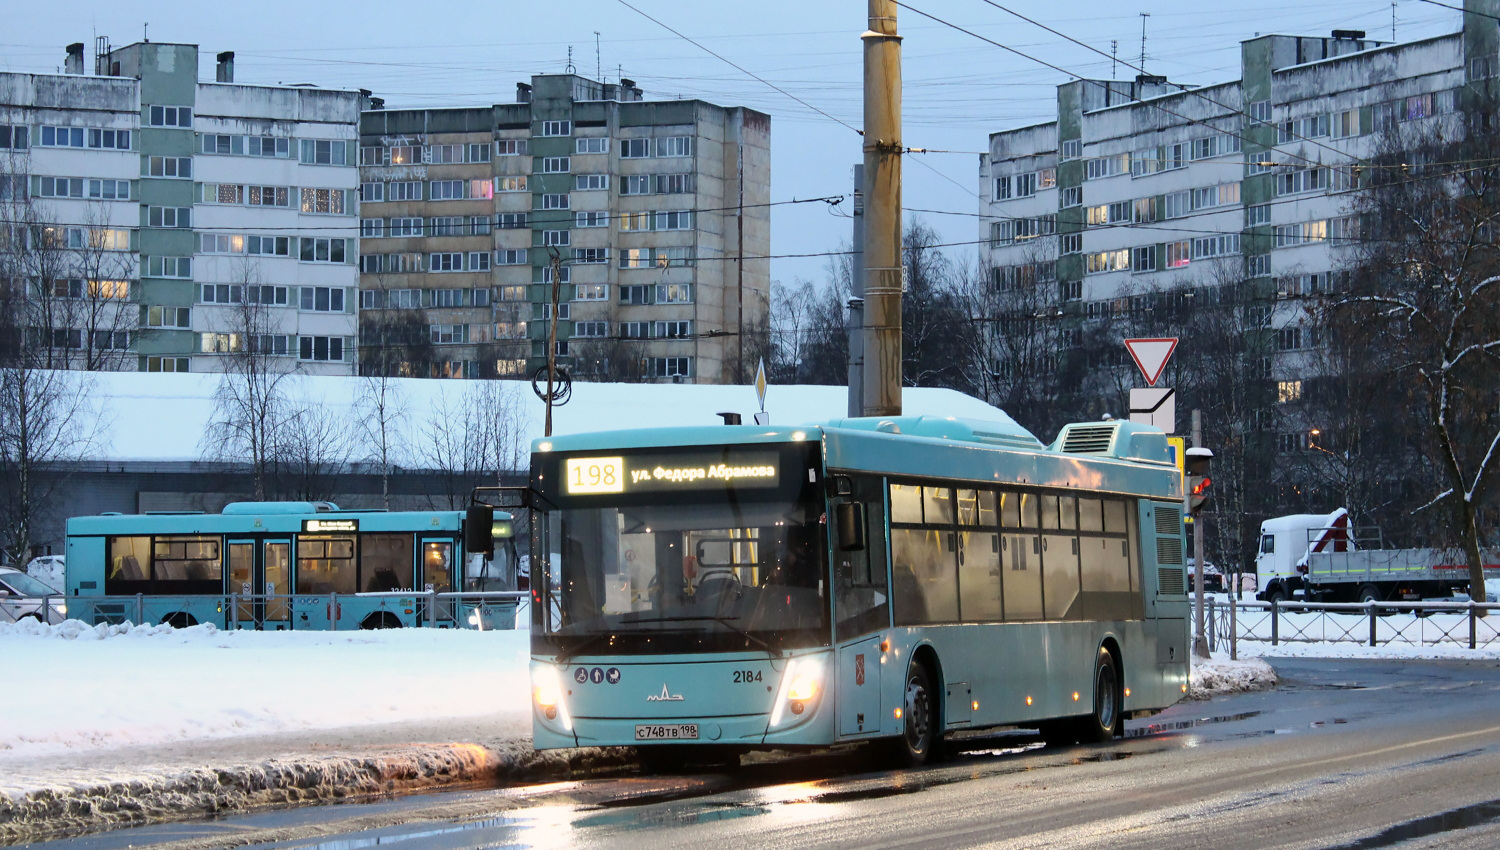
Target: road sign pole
[{"x": 1200, "y": 645}]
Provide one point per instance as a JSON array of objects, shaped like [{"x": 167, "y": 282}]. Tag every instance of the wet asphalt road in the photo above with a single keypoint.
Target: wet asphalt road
[{"x": 1345, "y": 754}]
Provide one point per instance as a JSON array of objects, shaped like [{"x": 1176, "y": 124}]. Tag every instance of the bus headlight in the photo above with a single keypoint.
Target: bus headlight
[
  {"x": 546, "y": 691},
  {"x": 801, "y": 683}
]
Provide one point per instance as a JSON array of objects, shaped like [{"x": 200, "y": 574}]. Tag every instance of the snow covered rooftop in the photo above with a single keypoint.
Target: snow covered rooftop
[{"x": 163, "y": 416}]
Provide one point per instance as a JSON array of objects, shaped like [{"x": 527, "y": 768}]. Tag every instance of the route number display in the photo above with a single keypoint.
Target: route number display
[{"x": 587, "y": 475}]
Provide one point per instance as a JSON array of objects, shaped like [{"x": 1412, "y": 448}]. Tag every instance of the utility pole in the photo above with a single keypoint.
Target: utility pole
[
  {"x": 552, "y": 337},
  {"x": 1144, "y": 16},
  {"x": 1200, "y": 643},
  {"x": 882, "y": 236},
  {"x": 855, "y": 324}
]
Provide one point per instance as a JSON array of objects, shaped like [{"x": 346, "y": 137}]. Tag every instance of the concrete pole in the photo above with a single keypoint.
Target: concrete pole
[
  {"x": 882, "y": 241},
  {"x": 1200, "y": 644},
  {"x": 856, "y": 319}
]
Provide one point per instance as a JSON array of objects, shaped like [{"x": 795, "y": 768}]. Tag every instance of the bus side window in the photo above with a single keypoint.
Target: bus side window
[{"x": 862, "y": 602}]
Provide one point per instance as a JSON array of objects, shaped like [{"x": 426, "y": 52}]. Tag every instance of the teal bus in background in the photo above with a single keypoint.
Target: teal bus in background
[
  {"x": 711, "y": 590},
  {"x": 286, "y": 565}
]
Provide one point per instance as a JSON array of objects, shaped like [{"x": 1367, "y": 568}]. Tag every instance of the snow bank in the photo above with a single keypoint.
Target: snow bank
[
  {"x": 1218, "y": 675},
  {"x": 95, "y": 687}
]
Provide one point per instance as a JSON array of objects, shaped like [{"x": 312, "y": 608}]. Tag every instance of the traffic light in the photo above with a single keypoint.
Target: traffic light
[{"x": 1198, "y": 483}]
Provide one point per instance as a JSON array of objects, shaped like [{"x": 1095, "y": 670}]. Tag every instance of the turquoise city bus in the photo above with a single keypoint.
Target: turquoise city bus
[
  {"x": 711, "y": 590},
  {"x": 281, "y": 565}
]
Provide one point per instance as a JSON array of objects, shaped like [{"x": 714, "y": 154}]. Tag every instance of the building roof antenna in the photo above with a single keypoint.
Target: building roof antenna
[
  {"x": 598, "y": 59},
  {"x": 570, "y": 69},
  {"x": 1144, "y": 16},
  {"x": 1114, "y": 58}
]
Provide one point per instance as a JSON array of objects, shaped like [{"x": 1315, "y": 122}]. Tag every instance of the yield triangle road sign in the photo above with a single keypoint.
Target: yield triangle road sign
[{"x": 1151, "y": 355}]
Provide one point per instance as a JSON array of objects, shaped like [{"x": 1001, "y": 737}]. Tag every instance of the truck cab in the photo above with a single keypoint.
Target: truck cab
[{"x": 1285, "y": 543}]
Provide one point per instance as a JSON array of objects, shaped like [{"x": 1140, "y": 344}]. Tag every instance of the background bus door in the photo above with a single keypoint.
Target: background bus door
[
  {"x": 439, "y": 566},
  {"x": 260, "y": 570}
]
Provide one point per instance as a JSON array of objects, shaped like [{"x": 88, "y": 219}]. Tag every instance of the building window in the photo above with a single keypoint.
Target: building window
[
  {"x": 678, "y": 220},
  {"x": 170, "y": 116},
  {"x": 1291, "y": 442},
  {"x": 1260, "y": 110},
  {"x": 323, "y": 152},
  {"x": 635, "y": 184},
  {"x": 319, "y": 250},
  {"x": 1257, "y": 215},
  {"x": 1222, "y": 245},
  {"x": 668, "y": 367},
  {"x": 60, "y": 187},
  {"x": 1002, "y": 188},
  {"x": 674, "y": 293},
  {"x": 557, "y": 201},
  {"x": 445, "y": 262},
  {"x": 556, "y": 165},
  {"x": 510, "y": 147},
  {"x": 511, "y": 257},
  {"x": 556, "y": 238},
  {"x": 1288, "y": 391},
  {"x": 1143, "y": 259},
  {"x": 166, "y": 364},
  {"x": 591, "y": 144},
  {"x": 404, "y": 190},
  {"x": 477, "y": 261},
  {"x": 596, "y": 330},
  {"x": 1289, "y": 338},
  {"x": 591, "y": 292},
  {"x": 1072, "y": 243},
  {"x": 590, "y": 256},
  {"x": 168, "y": 317},
  {"x": 1107, "y": 261},
  {"x": 1179, "y": 254},
  {"x": 325, "y": 201},
  {"x": 635, "y": 330},
  {"x": 510, "y": 184},
  {"x": 169, "y": 166},
  {"x": 673, "y": 330},
  {"x": 511, "y": 221},
  {"x": 1302, "y": 180},
  {"x": 322, "y": 299},
  {"x": 635, "y": 148},
  {"x": 1072, "y": 196},
  {"x": 557, "y": 128},
  {"x": 169, "y": 216},
  {"x": 174, "y": 267},
  {"x": 635, "y": 221},
  {"x": 1177, "y": 204},
  {"x": 674, "y": 146},
  {"x": 320, "y": 348},
  {"x": 590, "y": 182},
  {"x": 446, "y": 190},
  {"x": 405, "y": 227},
  {"x": 635, "y": 294},
  {"x": 513, "y": 292},
  {"x": 448, "y": 225},
  {"x": 591, "y": 219},
  {"x": 14, "y": 138},
  {"x": 1072, "y": 149},
  {"x": 1258, "y": 265}
]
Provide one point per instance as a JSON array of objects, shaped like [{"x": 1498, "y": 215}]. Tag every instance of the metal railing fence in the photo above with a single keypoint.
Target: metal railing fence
[{"x": 1468, "y": 624}]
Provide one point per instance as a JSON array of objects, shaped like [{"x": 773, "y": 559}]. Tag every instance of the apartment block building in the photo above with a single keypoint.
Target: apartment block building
[
  {"x": 164, "y": 222},
  {"x": 1144, "y": 187},
  {"x": 653, "y": 213}
]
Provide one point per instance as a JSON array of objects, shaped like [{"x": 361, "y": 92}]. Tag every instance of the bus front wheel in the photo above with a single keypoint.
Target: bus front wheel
[{"x": 918, "y": 716}]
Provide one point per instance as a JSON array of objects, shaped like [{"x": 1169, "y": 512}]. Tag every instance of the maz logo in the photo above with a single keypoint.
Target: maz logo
[{"x": 664, "y": 696}]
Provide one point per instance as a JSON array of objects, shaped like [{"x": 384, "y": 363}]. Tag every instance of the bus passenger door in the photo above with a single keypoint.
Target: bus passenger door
[
  {"x": 258, "y": 573},
  {"x": 438, "y": 567}
]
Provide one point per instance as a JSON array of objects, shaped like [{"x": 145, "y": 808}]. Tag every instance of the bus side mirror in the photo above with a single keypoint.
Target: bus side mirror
[
  {"x": 851, "y": 521},
  {"x": 479, "y": 534}
]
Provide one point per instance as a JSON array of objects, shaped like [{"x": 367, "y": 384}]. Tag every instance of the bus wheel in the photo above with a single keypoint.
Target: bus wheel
[
  {"x": 1275, "y": 594},
  {"x": 1104, "y": 722},
  {"x": 918, "y": 739},
  {"x": 381, "y": 620},
  {"x": 1369, "y": 593},
  {"x": 180, "y": 620}
]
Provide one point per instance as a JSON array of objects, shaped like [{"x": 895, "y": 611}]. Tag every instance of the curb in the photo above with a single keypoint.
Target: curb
[{"x": 54, "y": 812}]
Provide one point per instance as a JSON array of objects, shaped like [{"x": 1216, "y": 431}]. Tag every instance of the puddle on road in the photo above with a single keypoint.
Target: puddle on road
[
  {"x": 1456, "y": 819},
  {"x": 1178, "y": 726}
]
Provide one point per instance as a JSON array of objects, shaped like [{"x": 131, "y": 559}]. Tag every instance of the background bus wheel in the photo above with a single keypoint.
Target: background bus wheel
[
  {"x": 919, "y": 738},
  {"x": 180, "y": 620},
  {"x": 1275, "y": 594},
  {"x": 1104, "y": 722},
  {"x": 381, "y": 620},
  {"x": 1369, "y": 593}
]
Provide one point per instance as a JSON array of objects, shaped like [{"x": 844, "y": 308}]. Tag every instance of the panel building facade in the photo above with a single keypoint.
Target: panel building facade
[
  {"x": 1143, "y": 188},
  {"x": 653, "y": 214},
  {"x": 163, "y": 223}
]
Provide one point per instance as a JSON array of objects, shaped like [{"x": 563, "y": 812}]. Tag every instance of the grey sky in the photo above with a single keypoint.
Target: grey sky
[{"x": 957, "y": 88}]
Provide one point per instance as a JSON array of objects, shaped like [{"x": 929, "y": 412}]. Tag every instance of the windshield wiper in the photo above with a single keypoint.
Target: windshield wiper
[{"x": 775, "y": 652}]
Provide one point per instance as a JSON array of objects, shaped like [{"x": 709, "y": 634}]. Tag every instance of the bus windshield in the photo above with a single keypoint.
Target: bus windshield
[{"x": 720, "y": 573}]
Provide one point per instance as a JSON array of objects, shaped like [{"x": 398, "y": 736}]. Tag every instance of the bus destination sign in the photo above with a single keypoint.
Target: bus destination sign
[
  {"x": 588, "y": 476},
  {"x": 319, "y": 526}
]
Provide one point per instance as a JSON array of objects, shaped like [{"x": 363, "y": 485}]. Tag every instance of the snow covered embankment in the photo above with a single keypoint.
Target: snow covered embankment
[
  {"x": 1218, "y": 675},
  {"x": 121, "y": 724}
]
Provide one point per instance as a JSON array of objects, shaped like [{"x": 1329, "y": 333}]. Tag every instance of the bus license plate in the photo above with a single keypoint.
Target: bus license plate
[{"x": 668, "y": 732}]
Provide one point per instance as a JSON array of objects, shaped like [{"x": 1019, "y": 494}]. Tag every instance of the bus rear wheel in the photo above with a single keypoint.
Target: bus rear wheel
[
  {"x": 1104, "y": 722},
  {"x": 381, "y": 620},
  {"x": 180, "y": 620},
  {"x": 918, "y": 738}
]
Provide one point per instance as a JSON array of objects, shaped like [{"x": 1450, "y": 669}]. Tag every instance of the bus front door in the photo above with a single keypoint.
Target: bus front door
[
  {"x": 259, "y": 572},
  {"x": 438, "y": 566}
]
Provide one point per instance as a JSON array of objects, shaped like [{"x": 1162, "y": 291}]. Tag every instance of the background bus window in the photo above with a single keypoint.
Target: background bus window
[
  {"x": 1090, "y": 515},
  {"x": 326, "y": 565},
  {"x": 386, "y": 563},
  {"x": 129, "y": 565},
  {"x": 979, "y": 576},
  {"x": 437, "y": 565},
  {"x": 937, "y": 505},
  {"x": 1060, "y": 575},
  {"x": 922, "y": 568},
  {"x": 1108, "y": 592},
  {"x": 186, "y": 565},
  {"x": 906, "y": 503},
  {"x": 1020, "y": 557}
]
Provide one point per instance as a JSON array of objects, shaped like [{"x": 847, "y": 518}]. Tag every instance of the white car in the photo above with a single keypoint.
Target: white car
[
  {"x": 23, "y": 597},
  {"x": 47, "y": 569}
]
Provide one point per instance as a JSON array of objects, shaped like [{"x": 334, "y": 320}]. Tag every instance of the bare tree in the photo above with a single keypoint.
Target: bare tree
[
  {"x": 251, "y": 409},
  {"x": 382, "y": 412},
  {"x": 394, "y": 340},
  {"x": 933, "y": 318},
  {"x": 476, "y": 441},
  {"x": 1428, "y": 275},
  {"x": 312, "y": 450}
]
